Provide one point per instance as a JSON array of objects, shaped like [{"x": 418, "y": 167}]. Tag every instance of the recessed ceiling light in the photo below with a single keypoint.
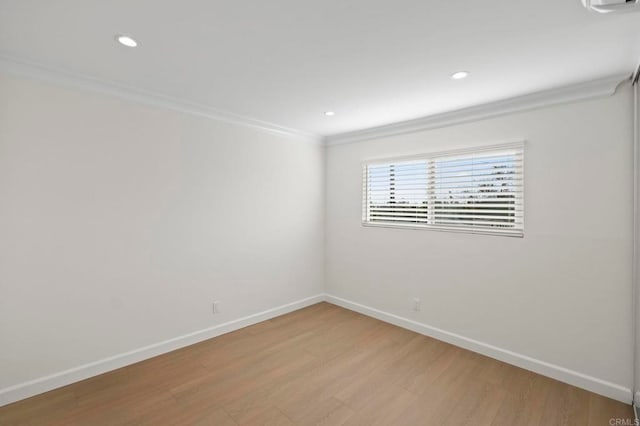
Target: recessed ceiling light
[
  {"x": 126, "y": 41},
  {"x": 460, "y": 75},
  {"x": 329, "y": 113}
]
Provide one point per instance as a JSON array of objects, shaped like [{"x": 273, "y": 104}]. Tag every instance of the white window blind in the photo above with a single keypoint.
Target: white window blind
[{"x": 473, "y": 191}]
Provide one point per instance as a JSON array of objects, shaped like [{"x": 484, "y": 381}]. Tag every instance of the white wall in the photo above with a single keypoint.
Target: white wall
[
  {"x": 561, "y": 294},
  {"x": 121, "y": 223}
]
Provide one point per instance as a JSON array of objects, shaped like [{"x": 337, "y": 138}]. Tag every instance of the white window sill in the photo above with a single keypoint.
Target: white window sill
[{"x": 482, "y": 231}]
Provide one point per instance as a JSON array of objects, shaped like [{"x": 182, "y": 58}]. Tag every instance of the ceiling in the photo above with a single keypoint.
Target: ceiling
[{"x": 286, "y": 62}]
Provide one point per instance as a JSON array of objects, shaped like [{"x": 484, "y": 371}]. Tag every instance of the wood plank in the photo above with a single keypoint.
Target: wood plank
[{"x": 319, "y": 365}]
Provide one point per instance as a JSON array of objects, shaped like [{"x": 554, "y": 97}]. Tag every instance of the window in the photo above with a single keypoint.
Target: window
[{"x": 480, "y": 191}]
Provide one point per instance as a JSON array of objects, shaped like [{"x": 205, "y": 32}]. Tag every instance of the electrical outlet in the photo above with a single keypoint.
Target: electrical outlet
[
  {"x": 216, "y": 307},
  {"x": 416, "y": 304}
]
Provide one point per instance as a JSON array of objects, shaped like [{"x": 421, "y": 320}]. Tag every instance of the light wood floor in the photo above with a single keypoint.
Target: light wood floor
[{"x": 320, "y": 365}]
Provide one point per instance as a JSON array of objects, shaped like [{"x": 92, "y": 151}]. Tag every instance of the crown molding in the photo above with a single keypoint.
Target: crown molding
[
  {"x": 589, "y": 90},
  {"x": 22, "y": 68},
  {"x": 577, "y": 92}
]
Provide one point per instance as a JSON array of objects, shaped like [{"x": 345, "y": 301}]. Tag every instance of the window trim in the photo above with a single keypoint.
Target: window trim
[{"x": 518, "y": 144}]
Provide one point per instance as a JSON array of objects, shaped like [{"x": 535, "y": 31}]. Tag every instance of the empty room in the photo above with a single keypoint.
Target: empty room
[{"x": 339, "y": 212}]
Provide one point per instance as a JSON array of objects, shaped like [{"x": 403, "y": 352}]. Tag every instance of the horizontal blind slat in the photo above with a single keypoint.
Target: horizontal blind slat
[
  {"x": 460, "y": 197},
  {"x": 396, "y": 219},
  {"x": 462, "y": 212},
  {"x": 447, "y": 185},
  {"x": 476, "y": 222},
  {"x": 517, "y": 205},
  {"x": 473, "y": 217},
  {"x": 447, "y": 180},
  {"x": 507, "y": 171},
  {"x": 505, "y": 161}
]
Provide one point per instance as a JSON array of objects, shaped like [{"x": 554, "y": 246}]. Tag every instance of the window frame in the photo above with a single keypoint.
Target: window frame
[{"x": 434, "y": 155}]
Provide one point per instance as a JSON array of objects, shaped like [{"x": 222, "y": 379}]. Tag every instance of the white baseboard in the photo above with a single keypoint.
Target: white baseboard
[
  {"x": 63, "y": 378},
  {"x": 584, "y": 381}
]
